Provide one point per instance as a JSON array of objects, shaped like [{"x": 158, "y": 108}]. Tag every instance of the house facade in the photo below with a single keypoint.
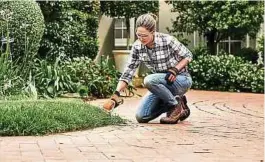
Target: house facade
[{"x": 112, "y": 34}]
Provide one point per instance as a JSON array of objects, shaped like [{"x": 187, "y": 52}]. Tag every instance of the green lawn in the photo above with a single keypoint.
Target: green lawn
[{"x": 41, "y": 117}]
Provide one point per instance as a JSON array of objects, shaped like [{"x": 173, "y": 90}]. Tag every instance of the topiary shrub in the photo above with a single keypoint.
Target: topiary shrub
[
  {"x": 71, "y": 29},
  {"x": 25, "y": 24}
]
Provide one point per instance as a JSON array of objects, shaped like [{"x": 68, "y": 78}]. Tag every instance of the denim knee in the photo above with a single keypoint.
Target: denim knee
[
  {"x": 140, "y": 119},
  {"x": 148, "y": 81}
]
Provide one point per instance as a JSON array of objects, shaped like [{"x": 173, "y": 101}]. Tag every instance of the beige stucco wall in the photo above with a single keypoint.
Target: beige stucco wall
[
  {"x": 165, "y": 21},
  {"x": 105, "y": 37},
  {"x": 165, "y": 16}
]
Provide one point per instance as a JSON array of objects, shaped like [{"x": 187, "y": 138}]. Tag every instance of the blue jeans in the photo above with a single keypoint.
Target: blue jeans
[{"x": 161, "y": 96}]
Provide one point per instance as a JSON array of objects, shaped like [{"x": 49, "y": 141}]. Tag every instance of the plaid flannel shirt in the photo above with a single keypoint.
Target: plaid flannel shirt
[{"x": 167, "y": 52}]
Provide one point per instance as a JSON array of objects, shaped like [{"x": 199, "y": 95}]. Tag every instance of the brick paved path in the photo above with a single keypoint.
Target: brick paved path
[{"x": 222, "y": 127}]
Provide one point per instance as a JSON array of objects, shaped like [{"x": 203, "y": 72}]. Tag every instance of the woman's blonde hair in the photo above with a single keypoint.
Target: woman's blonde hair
[{"x": 147, "y": 21}]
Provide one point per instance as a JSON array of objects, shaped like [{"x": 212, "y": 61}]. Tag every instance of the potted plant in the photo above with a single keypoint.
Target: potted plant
[{"x": 127, "y": 10}]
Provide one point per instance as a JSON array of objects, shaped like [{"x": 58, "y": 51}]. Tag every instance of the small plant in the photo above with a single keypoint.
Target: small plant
[
  {"x": 52, "y": 79},
  {"x": 83, "y": 91}
]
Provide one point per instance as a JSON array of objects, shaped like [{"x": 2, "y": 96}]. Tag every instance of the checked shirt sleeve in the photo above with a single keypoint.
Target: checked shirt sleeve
[
  {"x": 179, "y": 49},
  {"x": 131, "y": 66}
]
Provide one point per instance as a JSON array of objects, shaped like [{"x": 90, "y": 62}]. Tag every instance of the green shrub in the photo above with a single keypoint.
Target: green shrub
[
  {"x": 25, "y": 25},
  {"x": 101, "y": 79},
  {"x": 66, "y": 75},
  {"x": 248, "y": 54},
  {"x": 10, "y": 80},
  {"x": 23, "y": 118},
  {"x": 71, "y": 29},
  {"x": 51, "y": 78},
  {"x": 249, "y": 78},
  {"x": 226, "y": 73}
]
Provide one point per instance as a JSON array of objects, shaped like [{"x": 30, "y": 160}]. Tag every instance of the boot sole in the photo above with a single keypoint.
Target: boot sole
[{"x": 164, "y": 122}]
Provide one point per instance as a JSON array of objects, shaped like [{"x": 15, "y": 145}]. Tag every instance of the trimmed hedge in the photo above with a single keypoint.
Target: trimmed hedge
[
  {"x": 71, "y": 28},
  {"x": 25, "y": 25},
  {"x": 226, "y": 73}
]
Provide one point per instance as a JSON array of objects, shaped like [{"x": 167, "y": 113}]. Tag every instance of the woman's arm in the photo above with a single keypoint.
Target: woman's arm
[{"x": 122, "y": 85}]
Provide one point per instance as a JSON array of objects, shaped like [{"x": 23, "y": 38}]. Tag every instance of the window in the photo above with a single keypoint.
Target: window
[
  {"x": 231, "y": 45},
  {"x": 120, "y": 33}
]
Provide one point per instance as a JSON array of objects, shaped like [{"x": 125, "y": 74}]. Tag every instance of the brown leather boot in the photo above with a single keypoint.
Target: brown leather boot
[
  {"x": 175, "y": 115},
  {"x": 186, "y": 109}
]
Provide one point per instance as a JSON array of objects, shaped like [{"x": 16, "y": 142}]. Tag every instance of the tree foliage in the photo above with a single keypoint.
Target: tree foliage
[
  {"x": 71, "y": 28},
  {"x": 217, "y": 20},
  {"x": 128, "y": 9}
]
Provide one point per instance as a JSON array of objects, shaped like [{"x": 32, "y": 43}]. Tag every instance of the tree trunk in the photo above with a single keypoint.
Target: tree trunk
[
  {"x": 211, "y": 44},
  {"x": 127, "y": 21}
]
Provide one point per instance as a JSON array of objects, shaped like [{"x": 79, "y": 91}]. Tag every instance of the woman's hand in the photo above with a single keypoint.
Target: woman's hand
[{"x": 171, "y": 75}]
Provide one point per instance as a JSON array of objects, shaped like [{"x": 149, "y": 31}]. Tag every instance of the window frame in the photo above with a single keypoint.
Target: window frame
[
  {"x": 229, "y": 41},
  {"x": 122, "y": 42}
]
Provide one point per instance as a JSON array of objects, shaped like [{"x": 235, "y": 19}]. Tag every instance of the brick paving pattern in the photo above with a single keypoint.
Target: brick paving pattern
[{"x": 223, "y": 126}]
